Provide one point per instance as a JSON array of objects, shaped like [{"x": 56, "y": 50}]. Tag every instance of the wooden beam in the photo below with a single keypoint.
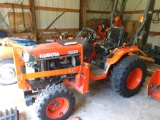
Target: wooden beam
[
  {"x": 98, "y": 12},
  {"x": 158, "y": 10},
  {"x": 2, "y": 5},
  {"x": 154, "y": 33},
  {"x": 134, "y": 12},
  {"x": 68, "y": 29},
  {"x": 82, "y": 15},
  {"x": 32, "y": 10},
  {"x": 56, "y": 9},
  {"x": 43, "y": 30},
  {"x": 139, "y": 11},
  {"x": 61, "y": 30}
]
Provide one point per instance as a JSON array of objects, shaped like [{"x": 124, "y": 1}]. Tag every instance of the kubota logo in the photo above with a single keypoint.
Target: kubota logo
[{"x": 49, "y": 55}]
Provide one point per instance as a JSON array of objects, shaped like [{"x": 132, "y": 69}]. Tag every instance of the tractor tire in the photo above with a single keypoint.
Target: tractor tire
[
  {"x": 128, "y": 76},
  {"x": 54, "y": 103},
  {"x": 7, "y": 72}
]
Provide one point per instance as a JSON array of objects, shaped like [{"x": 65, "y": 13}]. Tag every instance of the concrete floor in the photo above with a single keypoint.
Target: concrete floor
[{"x": 101, "y": 103}]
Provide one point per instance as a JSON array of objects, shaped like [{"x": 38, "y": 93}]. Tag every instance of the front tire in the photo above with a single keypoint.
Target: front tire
[
  {"x": 54, "y": 103},
  {"x": 7, "y": 71},
  {"x": 128, "y": 76}
]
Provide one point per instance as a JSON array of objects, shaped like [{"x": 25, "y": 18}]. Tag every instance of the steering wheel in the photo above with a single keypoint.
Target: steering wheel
[{"x": 92, "y": 35}]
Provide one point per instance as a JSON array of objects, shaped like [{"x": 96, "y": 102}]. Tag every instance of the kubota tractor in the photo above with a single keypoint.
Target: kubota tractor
[{"x": 50, "y": 68}]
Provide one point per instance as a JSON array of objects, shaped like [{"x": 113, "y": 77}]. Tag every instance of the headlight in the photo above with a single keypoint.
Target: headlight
[{"x": 28, "y": 57}]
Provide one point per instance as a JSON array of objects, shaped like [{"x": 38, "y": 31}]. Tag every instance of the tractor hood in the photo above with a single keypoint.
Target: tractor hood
[{"x": 52, "y": 50}]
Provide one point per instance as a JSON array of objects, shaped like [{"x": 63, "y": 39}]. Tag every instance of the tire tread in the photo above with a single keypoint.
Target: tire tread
[{"x": 119, "y": 71}]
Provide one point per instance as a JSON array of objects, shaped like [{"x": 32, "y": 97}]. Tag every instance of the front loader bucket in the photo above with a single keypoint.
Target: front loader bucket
[{"x": 154, "y": 85}]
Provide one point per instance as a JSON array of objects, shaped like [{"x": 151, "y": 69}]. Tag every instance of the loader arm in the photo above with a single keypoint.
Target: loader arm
[{"x": 6, "y": 50}]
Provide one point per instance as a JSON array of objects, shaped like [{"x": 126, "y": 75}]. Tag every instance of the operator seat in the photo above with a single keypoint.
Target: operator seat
[{"x": 115, "y": 37}]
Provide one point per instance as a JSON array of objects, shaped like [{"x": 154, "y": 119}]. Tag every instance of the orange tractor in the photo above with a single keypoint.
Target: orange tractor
[{"x": 49, "y": 69}]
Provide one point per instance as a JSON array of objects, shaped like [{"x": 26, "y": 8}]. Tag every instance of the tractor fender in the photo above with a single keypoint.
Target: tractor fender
[
  {"x": 119, "y": 53},
  {"x": 6, "y": 52}
]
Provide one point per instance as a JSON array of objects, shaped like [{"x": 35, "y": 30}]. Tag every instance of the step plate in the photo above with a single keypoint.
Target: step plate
[{"x": 96, "y": 70}]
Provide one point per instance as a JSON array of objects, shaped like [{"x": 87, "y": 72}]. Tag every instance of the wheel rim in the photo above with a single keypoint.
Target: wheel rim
[
  {"x": 7, "y": 74},
  {"x": 57, "y": 108},
  {"x": 134, "y": 78}
]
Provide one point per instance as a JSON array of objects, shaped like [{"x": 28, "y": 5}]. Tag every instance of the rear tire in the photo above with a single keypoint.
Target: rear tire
[
  {"x": 7, "y": 71},
  {"x": 128, "y": 76},
  {"x": 54, "y": 103}
]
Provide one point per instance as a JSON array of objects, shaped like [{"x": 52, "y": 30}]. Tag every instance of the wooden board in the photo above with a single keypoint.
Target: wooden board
[
  {"x": 129, "y": 28},
  {"x": 19, "y": 25}
]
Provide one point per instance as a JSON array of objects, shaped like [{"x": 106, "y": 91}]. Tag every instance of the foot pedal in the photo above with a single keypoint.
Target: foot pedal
[{"x": 12, "y": 114}]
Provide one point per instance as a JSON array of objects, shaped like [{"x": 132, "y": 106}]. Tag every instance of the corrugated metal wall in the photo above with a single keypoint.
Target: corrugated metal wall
[
  {"x": 135, "y": 5},
  {"x": 44, "y": 18},
  {"x": 71, "y": 19},
  {"x": 100, "y": 5},
  {"x": 73, "y": 4},
  {"x": 68, "y": 19}
]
